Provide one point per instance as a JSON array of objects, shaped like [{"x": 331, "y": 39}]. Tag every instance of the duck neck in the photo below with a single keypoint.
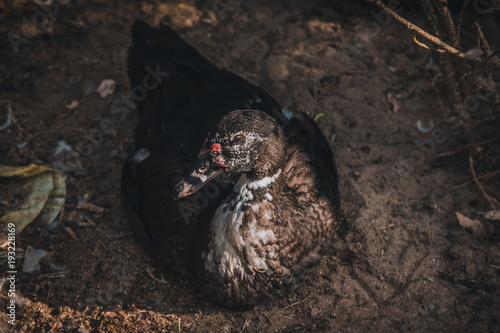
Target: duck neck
[{"x": 251, "y": 189}]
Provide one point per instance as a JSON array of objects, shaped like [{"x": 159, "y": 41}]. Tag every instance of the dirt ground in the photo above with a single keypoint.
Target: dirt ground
[{"x": 401, "y": 261}]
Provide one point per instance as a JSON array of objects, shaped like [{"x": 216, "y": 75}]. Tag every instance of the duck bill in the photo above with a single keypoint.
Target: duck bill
[{"x": 194, "y": 181}]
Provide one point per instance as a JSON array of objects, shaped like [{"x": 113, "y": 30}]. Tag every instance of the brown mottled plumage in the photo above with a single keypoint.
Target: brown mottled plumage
[{"x": 257, "y": 212}]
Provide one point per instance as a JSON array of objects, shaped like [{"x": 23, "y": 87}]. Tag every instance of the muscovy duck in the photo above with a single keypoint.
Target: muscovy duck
[{"x": 257, "y": 211}]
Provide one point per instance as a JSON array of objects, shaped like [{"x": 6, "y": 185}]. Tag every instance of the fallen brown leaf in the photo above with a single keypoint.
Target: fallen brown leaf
[
  {"x": 106, "y": 88},
  {"x": 477, "y": 227}
]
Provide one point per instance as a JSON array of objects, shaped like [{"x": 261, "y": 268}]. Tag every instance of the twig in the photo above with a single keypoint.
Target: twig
[
  {"x": 61, "y": 216},
  {"x": 71, "y": 233},
  {"x": 84, "y": 224},
  {"x": 422, "y": 44},
  {"x": 84, "y": 204},
  {"x": 487, "y": 50},
  {"x": 467, "y": 146},
  {"x": 483, "y": 177},
  {"x": 386, "y": 227},
  {"x": 446, "y": 21},
  {"x": 448, "y": 153},
  {"x": 54, "y": 275},
  {"x": 245, "y": 324},
  {"x": 450, "y": 69},
  {"x": 86, "y": 218},
  {"x": 483, "y": 158},
  {"x": 432, "y": 38},
  {"x": 461, "y": 17},
  {"x": 162, "y": 280},
  {"x": 493, "y": 162},
  {"x": 328, "y": 312},
  {"x": 230, "y": 320},
  {"x": 12, "y": 118},
  {"x": 298, "y": 302},
  {"x": 471, "y": 165}
]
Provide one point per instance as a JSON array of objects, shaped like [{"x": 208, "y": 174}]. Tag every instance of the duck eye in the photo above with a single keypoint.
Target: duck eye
[{"x": 237, "y": 139}]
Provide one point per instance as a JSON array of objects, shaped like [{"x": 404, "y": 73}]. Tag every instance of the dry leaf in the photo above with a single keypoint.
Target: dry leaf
[
  {"x": 72, "y": 105},
  {"x": 46, "y": 190},
  {"x": 106, "y": 88},
  {"x": 477, "y": 227},
  {"x": 493, "y": 215},
  {"x": 395, "y": 100}
]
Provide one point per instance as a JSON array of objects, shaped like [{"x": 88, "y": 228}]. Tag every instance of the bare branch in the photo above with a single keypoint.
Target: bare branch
[
  {"x": 461, "y": 17},
  {"x": 434, "y": 39}
]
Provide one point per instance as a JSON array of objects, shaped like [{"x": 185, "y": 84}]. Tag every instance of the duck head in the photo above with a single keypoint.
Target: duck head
[{"x": 244, "y": 141}]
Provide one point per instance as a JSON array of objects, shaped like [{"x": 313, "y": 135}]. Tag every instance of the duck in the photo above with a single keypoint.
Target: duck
[{"x": 224, "y": 185}]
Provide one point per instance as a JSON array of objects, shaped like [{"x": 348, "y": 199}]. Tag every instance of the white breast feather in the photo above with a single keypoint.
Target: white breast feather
[
  {"x": 226, "y": 247},
  {"x": 264, "y": 182}
]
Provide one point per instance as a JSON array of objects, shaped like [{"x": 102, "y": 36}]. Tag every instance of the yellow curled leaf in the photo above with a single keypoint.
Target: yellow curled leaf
[
  {"x": 46, "y": 190},
  {"x": 318, "y": 116}
]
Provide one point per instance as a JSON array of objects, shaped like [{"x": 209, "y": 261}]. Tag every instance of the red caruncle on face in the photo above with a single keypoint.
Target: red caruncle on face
[{"x": 215, "y": 148}]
